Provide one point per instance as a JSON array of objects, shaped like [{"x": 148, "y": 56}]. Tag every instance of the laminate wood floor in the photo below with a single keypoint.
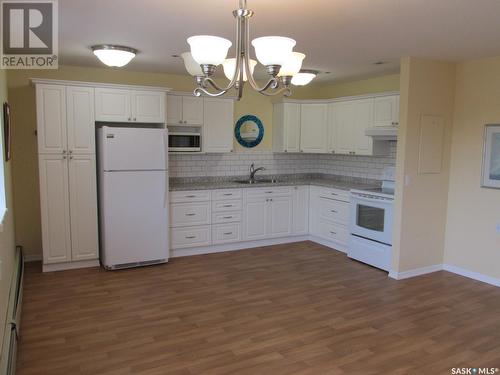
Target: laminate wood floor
[{"x": 288, "y": 309}]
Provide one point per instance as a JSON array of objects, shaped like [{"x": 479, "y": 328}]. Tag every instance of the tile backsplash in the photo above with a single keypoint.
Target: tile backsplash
[{"x": 238, "y": 163}]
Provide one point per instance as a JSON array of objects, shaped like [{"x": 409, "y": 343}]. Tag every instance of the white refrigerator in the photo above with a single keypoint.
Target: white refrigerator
[{"x": 133, "y": 196}]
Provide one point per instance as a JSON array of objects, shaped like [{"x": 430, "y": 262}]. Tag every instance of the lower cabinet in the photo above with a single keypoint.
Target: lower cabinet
[
  {"x": 68, "y": 198},
  {"x": 300, "y": 217}
]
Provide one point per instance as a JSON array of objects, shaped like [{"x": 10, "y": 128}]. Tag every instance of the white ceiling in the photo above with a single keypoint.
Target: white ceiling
[{"x": 344, "y": 37}]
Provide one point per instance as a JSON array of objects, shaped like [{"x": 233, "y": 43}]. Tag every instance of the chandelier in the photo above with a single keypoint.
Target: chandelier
[{"x": 274, "y": 52}]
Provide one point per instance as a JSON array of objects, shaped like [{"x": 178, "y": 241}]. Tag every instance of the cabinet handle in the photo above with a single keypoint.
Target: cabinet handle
[
  {"x": 333, "y": 211},
  {"x": 271, "y": 199},
  {"x": 135, "y": 119},
  {"x": 228, "y": 233},
  {"x": 64, "y": 157},
  {"x": 333, "y": 232},
  {"x": 63, "y": 152},
  {"x": 70, "y": 151},
  {"x": 190, "y": 237},
  {"x": 334, "y": 193},
  {"x": 227, "y": 217},
  {"x": 301, "y": 150},
  {"x": 227, "y": 205},
  {"x": 228, "y": 194},
  {"x": 71, "y": 157},
  {"x": 180, "y": 121},
  {"x": 269, "y": 192},
  {"x": 333, "y": 152},
  {"x": 190, "y": 214},
  {"x": 286, "y": 150},
  {"x": 190, "y": 196},
  {"x": 129, "y": 119}
]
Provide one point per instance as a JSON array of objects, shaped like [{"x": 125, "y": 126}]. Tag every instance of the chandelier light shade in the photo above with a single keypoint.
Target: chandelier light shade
[
  {"x": 191, "y": 65},
  {"x": 292, "y": 64},
  {"x": 304, "y": 77},
  {"x": 273, "y": 50},
  {"x": 209, "y": 50},
  {"x": 113, "y": 55},
  {"x": 230, "y": 67}
]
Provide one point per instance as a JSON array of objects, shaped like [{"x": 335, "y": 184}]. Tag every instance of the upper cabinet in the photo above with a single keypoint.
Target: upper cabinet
[
  {"x": 51, "y": 119},
  {"x": 386, "y": 111},
  {"x": 286, "y": 127},
  {"x": 336, "y": 126},
  {"x": 184, "y": 110},
  {"x": 314, "y": 127},
  {"x": 121, "y": 105},
  {"x": 218, "y": 125},
  {"x": 80, "y": 117}
]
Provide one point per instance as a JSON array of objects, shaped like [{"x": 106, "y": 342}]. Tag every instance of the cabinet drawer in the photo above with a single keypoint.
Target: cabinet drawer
[
  {"x": 224, "y": 233},
  {"x": 267, "y": 192},
  {"x": 189, "y": 196},
  {"x": 226, "y": 217},
  {"x": 190, "y": 237},
  {"x": 333, "y": 210},
  {"x": 187, "y": 214},
  {"x": 225, "y": 194},
  {"x": 334, "y": 232},
  {"x": 221, "y": 206},
  {"x": 341, "y": 195}
]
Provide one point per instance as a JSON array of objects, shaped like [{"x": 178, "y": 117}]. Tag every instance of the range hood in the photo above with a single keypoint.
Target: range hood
[{"x": 383, "y": 133}]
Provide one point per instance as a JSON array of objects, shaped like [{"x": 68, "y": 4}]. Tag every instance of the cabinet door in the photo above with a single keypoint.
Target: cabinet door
[
  {"x": 313, "y": 124},
  {"x": 83, "y": 207},
  {"x": 51, "y": 119},
  {"x": 192, "y": 110},
  {"x": 291, "y": 118},
  {"x": 300, "y": 221},
  {"x": 148, "y": 106},
  {"x": 218, "y": 125},
  {"x": 54, "y": 204},
  {"x": 345, "y": 118},
  {"x": 280, "y": 216},
  {"x": 112, "y": 105},
  {"x": 174, "y": 110},
  {"x": 364, "y": 120},
  {"x": 332, "y": 128},
  {"x": 386, "y": 111},
  {"x": 81, "y": 126},
  {"x": 255, "y": 219}
]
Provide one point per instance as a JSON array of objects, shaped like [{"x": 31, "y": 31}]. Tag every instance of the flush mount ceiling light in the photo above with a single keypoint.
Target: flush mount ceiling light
[
  {"x": 304, "y": 77},
  {"x": 274, "y": 52},
  {"x": 112, "y": 55}
]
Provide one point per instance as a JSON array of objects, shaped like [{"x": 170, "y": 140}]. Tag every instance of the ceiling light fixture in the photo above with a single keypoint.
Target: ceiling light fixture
[
  {"x": 112, "y": 55},
  {"x": 304, "y": 77},
  {"x": 274, "y": 52}
]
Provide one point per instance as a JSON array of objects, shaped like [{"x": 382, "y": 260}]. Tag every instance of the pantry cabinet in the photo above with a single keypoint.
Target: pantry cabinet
[
  {"x": 313, "y": 128},
  {"x": 51, "y": 119},
  {"x": 123, "y": 105},
  {"x": 184, "y": 110}
]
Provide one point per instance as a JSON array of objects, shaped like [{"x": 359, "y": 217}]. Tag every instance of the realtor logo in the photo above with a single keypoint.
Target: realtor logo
[{"x": 29, "y": 34}]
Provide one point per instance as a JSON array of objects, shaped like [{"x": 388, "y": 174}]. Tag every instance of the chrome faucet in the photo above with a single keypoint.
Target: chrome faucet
[{"x": 253, "y": 171}]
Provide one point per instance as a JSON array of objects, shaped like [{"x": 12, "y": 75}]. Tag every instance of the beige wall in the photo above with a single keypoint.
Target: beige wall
[
  {"x": 427, "y": 88},
  {"x": 473, "y": 212},
  {"x": 7, "y": 244}
]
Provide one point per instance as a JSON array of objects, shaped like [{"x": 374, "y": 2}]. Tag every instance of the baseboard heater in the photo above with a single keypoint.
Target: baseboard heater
[{"x": 11, "y": 336}]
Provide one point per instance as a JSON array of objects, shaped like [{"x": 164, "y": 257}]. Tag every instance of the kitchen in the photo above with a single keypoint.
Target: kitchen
[{"x": 157, "y": 221}]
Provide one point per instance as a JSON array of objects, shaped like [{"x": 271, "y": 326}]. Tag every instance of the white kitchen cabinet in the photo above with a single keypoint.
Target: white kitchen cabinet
[
  {"x": 286, "y": 127},
  {"x": 122, "y": 105},
  {"x": 255, "y": 218},
  {"x": 83, "y": 207},
  {"x": 184, "y": 110},
  {"x": 313, "y": 127},
  {"x": 332, "y": 129},
  {"x": 363, "y": 144},
  {"x": 51, "y": 119},
  {"x": 300, "y": 217},
  {"x": 386, "y": 110},
  {"x": 218, "y": 125},
  {"x": 55, "y": 205},
  {"x": 80, "y": 120},
  {"x": 280, "y": 217}
]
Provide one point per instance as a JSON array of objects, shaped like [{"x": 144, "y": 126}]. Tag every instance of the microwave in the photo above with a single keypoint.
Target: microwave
[{"x": 184, "y": 142}]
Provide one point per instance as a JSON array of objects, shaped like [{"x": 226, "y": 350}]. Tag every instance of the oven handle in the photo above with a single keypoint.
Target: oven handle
[{"x": 368, "y": 199}]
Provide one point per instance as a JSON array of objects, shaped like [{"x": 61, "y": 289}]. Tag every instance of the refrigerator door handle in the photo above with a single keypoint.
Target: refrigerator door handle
[{"x": 165, "y": 195}]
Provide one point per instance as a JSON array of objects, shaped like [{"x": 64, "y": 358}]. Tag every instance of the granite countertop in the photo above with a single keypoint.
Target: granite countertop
[{"x": 331, "y": 181}]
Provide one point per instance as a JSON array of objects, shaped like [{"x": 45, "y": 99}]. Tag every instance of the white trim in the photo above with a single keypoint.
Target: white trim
[
  {"x": 3, "y": 216},
  {"x": 472, "y": 275},
  {"x": 415, "y": 272},
  {"x": 235, "y": 246},
  {"x": 28, "y": 258},
  {"x": 70, "y": 265},
  {"x": 339, "y": 99},
  {"x": 37, "y": 81}
]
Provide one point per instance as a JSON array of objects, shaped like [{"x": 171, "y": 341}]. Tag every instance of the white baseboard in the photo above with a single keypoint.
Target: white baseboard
[
  {"x": 70, "y": 265},
  {"x": 32, "y": 258},
  {"x": 415, "y": 272},
  {"x": 235, "y": 246},
  {"x": 472, "y": 275}
]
